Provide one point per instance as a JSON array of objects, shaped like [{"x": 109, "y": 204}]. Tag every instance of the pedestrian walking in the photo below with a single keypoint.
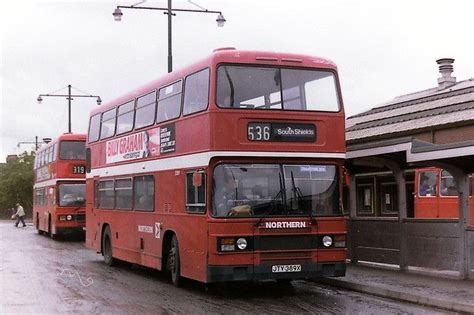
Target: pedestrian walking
[{"x": 20, "y": 214}]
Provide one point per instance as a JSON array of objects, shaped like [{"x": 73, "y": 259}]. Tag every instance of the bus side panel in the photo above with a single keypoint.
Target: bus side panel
[
  {"x": 426, "y": 207},
  {"x": 190, "y": 228},
  {"x": 146, "y": 241},
  {"x": 93, "y": 232},
  {"x": 448, "y": 207},
  {"x": 123, "y": 234}
]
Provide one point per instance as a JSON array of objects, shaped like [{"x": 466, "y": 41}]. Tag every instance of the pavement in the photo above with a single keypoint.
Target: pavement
[{"x": 436, "y": 291}]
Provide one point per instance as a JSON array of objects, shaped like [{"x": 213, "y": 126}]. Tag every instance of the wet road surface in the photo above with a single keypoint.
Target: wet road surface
[{"x": 43, "y": 276}]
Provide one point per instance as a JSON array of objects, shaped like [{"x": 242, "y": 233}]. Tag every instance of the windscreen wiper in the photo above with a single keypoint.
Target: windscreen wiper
[
  {"x": 297, "y": 195},
  {"x": 281, "y": 194}
]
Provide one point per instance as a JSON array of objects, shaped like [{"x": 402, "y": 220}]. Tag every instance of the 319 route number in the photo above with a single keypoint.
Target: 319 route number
[{"x": 79, "y": 169}]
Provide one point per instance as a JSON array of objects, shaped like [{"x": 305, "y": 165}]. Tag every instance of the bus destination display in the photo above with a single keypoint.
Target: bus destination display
[
  {"x": 79, "y": 169},
  {"x": 281, "y": 132}
]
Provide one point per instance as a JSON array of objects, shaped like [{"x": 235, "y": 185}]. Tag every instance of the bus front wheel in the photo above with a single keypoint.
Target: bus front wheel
[
  {"x": 173, "y": 262},
  {"x": 50, "y": 228},
  {"x": 107, "y": 248}
]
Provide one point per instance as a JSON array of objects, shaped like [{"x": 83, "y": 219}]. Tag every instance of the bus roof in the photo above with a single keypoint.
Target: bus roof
[
  {"x": 65, "y": 136},
  {"x": 224, "y": 55}
]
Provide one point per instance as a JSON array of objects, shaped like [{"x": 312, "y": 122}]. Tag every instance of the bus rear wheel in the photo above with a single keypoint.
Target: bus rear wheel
[
  {"x": 173, "y": 262},
  {"x": 107, "y": 248},
  {"x": 37, "y": 225}
]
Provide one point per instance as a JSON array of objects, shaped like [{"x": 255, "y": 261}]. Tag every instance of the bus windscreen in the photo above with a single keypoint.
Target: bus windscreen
[
  {"x": 256, "y": 190},
  {"x": 72, "y": 150}
]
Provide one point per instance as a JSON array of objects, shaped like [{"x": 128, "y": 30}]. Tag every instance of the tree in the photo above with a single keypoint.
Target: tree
[{"x": 16, "y": 183}]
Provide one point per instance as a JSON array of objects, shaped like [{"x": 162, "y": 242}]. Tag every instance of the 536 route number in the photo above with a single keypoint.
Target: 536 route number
[{"x": 259, "y": 132}]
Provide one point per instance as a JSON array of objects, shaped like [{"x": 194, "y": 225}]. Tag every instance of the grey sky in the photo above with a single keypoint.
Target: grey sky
[{"x": 382, "y": 49}]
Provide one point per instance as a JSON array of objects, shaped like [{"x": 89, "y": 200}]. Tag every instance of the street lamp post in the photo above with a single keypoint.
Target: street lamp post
[
  {"x": 36, "y": 142},
  {"x": 170, "y": 12},
  {"x": 69, "y": 97}
]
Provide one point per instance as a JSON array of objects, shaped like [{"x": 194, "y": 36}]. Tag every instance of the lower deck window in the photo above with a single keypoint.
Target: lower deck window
[
  {"x": 196, "y": 192},
  {"x": 144, "y": 193},
  {"x": 106, "y": 194}
]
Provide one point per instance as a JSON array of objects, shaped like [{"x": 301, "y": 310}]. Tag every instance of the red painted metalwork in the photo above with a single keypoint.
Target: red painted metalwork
[
  {"x": 59, "y": 186},
  {"x": 174, "y": 156}
]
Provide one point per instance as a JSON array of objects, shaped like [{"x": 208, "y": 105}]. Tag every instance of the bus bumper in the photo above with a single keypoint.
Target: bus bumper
[
  {"x": 264, "y": 272},
  {"x": 76, "y": 230}
]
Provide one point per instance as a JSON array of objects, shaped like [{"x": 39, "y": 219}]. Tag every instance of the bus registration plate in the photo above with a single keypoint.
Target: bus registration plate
[{"x": 286, "y": 268}]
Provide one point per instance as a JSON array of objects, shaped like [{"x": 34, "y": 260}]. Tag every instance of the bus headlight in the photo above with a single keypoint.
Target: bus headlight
[
  {"x": 62, "y": 218},
  {"x": 327, "y": 241},
  {"x": 69, "y": 217},
  {"x": 241, "y": 243},
  {"x": 232, "y": 244}
]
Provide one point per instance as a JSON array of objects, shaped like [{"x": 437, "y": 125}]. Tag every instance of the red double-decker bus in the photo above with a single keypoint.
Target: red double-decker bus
[
  {"x": 227, "y": 170},
  {"x": 59, "y": 186},
  {"x": 437, "y": 195}
]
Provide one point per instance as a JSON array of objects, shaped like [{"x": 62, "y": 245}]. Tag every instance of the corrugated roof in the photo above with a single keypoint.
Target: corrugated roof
[
  {"x": 415, "y": 111},
  {"x": 419, "y": 123}
]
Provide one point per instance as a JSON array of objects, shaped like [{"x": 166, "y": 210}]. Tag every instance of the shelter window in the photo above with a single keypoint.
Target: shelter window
[
  {"x": 196, "y": 92},
  {"x": 388, "y": 198},
  {"x": 169, "y": 102},
  {"x": 365, "y": 196},
  {"x": 125, "y": 117},
  {"x": 146, "y": 109}
]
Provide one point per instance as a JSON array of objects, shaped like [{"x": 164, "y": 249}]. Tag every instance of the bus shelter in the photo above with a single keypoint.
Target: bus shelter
[{"x": 397, "y": 238}]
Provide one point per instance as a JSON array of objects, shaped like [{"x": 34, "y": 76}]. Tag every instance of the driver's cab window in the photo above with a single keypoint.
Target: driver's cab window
[{"x": 427, "y": 184}]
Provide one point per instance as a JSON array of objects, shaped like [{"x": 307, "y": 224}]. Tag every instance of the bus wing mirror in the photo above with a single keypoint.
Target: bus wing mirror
[{"x": 197, "y": 179}]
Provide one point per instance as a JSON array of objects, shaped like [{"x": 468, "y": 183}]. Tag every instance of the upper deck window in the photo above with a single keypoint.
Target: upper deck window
[
  {"x": 55, "y": 151},
  {"x": 196, "y": 92},
  {"x": 49, "y": 155},
  {"x": 276, "y": 88},
  {"x": 169, "y": 102},
  {"x": 146, "y": 109},
  {"x": 72, "y": 150},
  {"x": 94, "y": 128},
  {"x": 107, "y": 128},
  {"x": 125, "y": 117}
]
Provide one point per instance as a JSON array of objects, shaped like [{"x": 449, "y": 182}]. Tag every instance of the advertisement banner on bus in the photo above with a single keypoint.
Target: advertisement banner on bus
[
  {"x": 140, "y": 145},
  {"x": 130, "y": 147}
]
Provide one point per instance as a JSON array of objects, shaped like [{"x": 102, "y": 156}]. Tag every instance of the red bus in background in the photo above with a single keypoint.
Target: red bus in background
[
  {"x": 227, "y": 170},
  {"x": 59, "y": 186},
  {"x": 436, "y": 194}
]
